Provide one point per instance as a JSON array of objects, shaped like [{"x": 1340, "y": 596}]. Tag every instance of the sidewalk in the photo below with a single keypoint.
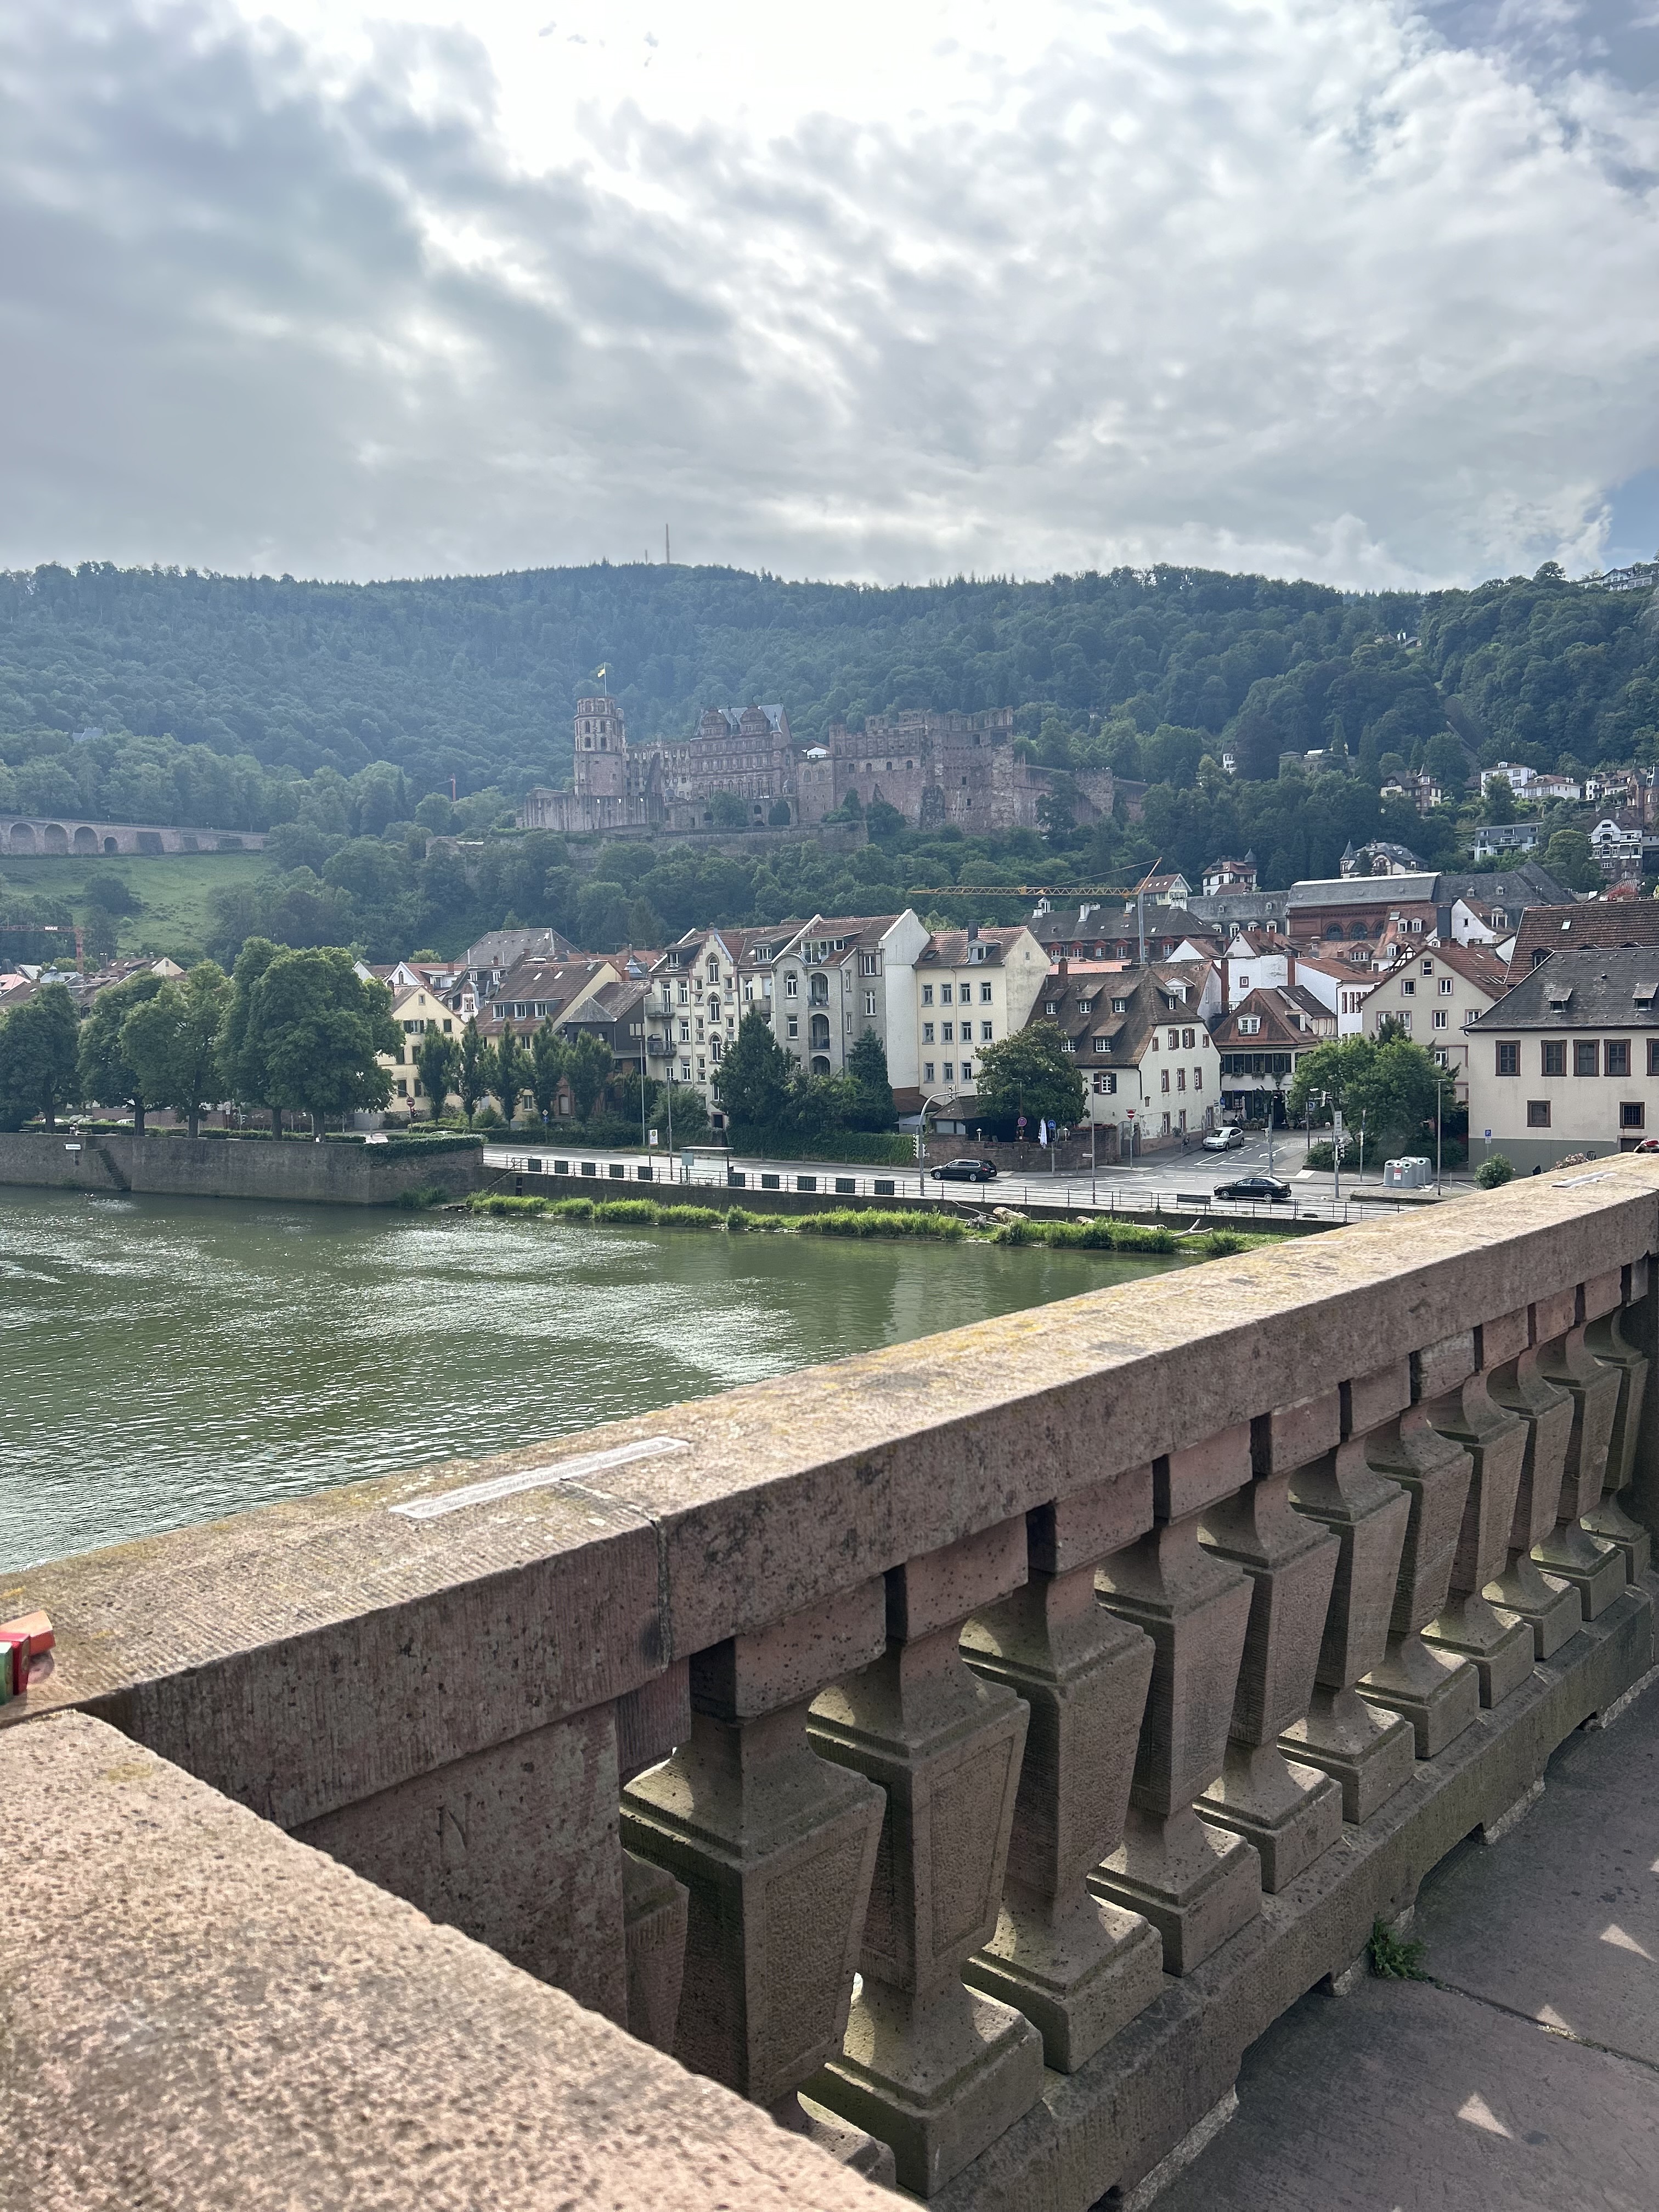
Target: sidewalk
[{"x": 1524, "y": 2075}]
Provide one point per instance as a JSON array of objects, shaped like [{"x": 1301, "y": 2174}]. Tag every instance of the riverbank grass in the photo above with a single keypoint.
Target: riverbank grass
[{"x": 1103, "y": 1234}]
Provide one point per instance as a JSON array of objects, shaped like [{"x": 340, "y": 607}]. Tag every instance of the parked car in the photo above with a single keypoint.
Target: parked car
[
  {"x": 1265, "y": 1189},
  {"x": 964, "y": 1171},
  {"x": 1223, "y": 1140}
]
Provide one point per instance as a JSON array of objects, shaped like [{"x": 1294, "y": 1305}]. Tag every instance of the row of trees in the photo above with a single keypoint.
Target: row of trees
[{"x": 290, "y": 1030}]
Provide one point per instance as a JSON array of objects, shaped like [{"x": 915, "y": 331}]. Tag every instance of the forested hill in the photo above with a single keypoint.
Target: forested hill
[{"x": 258, "y": 680}]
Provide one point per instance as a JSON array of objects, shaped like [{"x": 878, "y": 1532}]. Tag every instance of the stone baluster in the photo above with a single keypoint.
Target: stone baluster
[
  {"x": 650, "y": 1722},
  {"x": 1291, "y": 1814},
  {"x": 1594, "y": 1567},
  {"x": 1497, "y": 1644},
  {"x": 1435, "y": 1691},
  {"x": 1077, "y": 1967},
  {"x": 928, "y": 2066},
  {"x": 1607, "y": 1339},
  {"x": 1197, "y": 1884},
  {"x": 1550, "y": 1605},
  {"x": 776, "y": 1847},
  {"x": 1367, "y": 1751}
]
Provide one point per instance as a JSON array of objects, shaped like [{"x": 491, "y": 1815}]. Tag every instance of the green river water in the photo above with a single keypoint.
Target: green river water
[{"x": 165, "y": 1360}]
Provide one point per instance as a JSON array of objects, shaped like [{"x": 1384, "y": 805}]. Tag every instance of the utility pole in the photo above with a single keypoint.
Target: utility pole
[
  {"x": 1140, "y": 923},
  {"x": 667, "y": 556}
]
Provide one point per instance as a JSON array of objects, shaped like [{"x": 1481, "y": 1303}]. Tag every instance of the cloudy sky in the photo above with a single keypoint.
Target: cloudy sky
[{"x": 879, "y": 289}]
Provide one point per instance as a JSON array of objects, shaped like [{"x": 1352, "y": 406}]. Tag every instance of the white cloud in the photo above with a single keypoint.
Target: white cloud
[{"x": 854, "y": 290}]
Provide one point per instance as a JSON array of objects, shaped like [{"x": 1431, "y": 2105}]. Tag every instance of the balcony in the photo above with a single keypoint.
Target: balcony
[{"x": 1088, "y": 1691}]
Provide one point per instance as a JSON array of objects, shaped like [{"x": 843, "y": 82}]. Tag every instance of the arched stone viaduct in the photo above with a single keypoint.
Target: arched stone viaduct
[{"x": 32, "y": 834}]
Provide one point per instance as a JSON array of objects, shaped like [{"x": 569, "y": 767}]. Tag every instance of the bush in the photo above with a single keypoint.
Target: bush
[
  {"x": 1491, "y": 1173},
  {"x": 640, "y": 1212},
  {"x": 500, "y": 1203},
  {"x": 855, "y": 1221},
  {"x": 688, "y": 1217},
  {"x": 488, "y": 1118},
  {"x": 421, "y": 1200},
  {"x": 1220, "y": 1244},
  {"x": 570, "y": 1209},
  {"x": 1103, "y": 1234}
]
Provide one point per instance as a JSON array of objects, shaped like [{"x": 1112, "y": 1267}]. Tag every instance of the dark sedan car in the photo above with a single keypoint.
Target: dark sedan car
[
  {"x": 1265, "y": 1189},
  {"x": 964, "y": 1171}
]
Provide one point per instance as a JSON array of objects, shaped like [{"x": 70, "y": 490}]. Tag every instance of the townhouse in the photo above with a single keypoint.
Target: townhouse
[
  {"x": 415, "y": 1008},
  {"x": 1258, "y": 1043},
  {"x": 1435, "y": 996},
  {"x": 1568, "y": 1060},
  {"x": 1142, "y": 1042},
  {"x": 973, "y": 985}
]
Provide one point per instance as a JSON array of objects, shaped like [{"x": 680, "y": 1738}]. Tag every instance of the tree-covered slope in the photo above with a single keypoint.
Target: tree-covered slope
[{"x": 214, "y": 689}]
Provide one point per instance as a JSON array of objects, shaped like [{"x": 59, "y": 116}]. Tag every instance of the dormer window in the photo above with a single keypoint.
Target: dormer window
[
  {"x": 1120, "y": 1006},
  {"x": 1250, "y": 1025}
]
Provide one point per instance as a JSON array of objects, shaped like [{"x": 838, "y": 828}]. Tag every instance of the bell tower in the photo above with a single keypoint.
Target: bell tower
[{"x": 601, "y": 739}]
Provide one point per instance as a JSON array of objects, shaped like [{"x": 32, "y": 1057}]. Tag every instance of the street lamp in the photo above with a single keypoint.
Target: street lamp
[{"x": 1438, "y": 1088}]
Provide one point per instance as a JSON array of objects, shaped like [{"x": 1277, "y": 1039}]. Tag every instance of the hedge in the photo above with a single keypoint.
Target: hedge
[{"x": 855, "y": 1147}]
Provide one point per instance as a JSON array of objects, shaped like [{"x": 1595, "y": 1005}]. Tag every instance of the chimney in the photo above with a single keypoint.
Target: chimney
[
  {"x": 1062, "y": 969},
  {"x": 973, "y": 932}
]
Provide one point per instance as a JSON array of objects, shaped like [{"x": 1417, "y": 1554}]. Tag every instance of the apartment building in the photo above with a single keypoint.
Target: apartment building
[
  {"x": 1434, "y": 996},
  {"x": 1568, "y": 1061},
  {"x": 972, "y": 986},
  {"x": 821, "y": 984}
]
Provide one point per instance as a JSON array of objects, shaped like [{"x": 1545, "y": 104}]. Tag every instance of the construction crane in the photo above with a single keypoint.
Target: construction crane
[{"x": 50, "y": 929}]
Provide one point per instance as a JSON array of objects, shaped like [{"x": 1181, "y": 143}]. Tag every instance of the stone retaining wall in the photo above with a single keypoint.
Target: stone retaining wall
[{"x": 228, "y": 1167}]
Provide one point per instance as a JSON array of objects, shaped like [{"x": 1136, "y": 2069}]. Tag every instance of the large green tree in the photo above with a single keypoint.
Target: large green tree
[
  {"x": 39, "y": 1059},
  {"x": 512, "y": 1071},
  {"x": 437, "y": 1063},
  {"x": 1386, "y": 1081},
  {"x": 472, "y": 1070},
  {"x": 242, "y": 1060},
  {"x": 1571, "y": 859},
  {"x": 871, "y": 1104},
  {"x": 587, "y": 1070},
  {"x": 756, "y": 1076},
  {"x": 171, "y": 1040},
  {"x": 547, "y": 1058},
  {"x": 320, "y": 1028},
  {"x": 107, "y": 1072},
  {"x": 1031, "y": 1072}
]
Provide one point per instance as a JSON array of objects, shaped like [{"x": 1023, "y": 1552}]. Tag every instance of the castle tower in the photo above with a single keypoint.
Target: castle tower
[{"x": 601, "y": 770}]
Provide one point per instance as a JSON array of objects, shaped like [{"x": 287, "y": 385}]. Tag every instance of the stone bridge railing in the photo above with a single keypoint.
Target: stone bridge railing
[{"x": 960, "y": 1753}]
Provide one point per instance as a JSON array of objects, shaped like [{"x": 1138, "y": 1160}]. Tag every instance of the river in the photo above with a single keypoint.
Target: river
[{"x": 165, "y": 1361}]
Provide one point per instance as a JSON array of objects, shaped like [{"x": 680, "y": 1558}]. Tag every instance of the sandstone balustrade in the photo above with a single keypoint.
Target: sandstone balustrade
[
  {"x": 905, "y": 1745},
  {"x": 1437, "y": 1691},
  {"x": 1197, "y": 1883},
  {"x": 1290, "y": 1812},
  {"x": 1077, "y": 1967},
  {"x": 932, "y": 2069},
  {"x": 1594, "y": 1567},
  {"x": 1544, "y": 1411},
  {"x": 1496, "y": 1644},
  {"x": 1368, "y": 1751},
  {"x": 1610, "y": 1518}
]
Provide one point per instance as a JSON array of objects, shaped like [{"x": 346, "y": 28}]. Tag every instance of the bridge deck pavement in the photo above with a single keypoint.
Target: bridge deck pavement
[{"x": 1525, "y": 2072}]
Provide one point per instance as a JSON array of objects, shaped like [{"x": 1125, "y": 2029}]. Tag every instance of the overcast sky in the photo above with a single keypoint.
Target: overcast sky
[{"x": 879, "y": 289}]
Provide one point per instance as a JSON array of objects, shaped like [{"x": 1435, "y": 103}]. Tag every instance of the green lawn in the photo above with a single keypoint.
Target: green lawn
[{"x": 174, "y": 888}]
